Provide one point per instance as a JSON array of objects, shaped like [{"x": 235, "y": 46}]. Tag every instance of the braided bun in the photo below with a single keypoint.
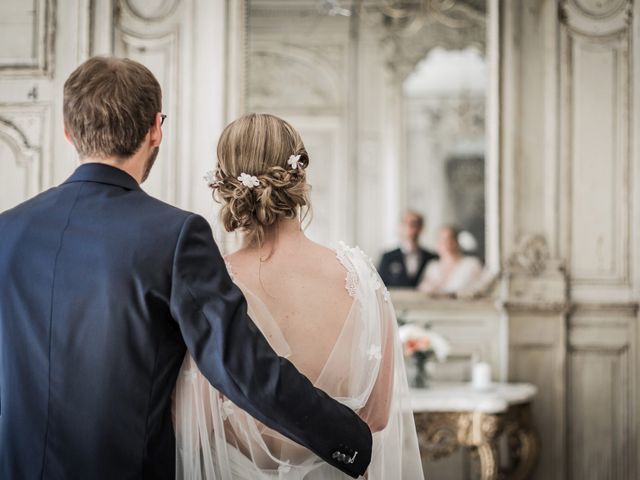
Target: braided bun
[{"x": 260, "y": 145}]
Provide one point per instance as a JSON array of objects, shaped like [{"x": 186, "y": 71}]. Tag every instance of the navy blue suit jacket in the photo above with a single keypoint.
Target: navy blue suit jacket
[
  {"x": 103, "y": 289},
  {"x": 393, "y": 269}
]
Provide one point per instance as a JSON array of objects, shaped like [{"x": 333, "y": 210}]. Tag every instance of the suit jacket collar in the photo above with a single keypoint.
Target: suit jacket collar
[{"x": 101, "y": 173}]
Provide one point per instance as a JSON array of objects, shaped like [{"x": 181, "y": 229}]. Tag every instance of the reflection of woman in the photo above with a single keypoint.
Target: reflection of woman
[
  {"x": 454, "y": 271},
  {"x": 326, "y": 311}
]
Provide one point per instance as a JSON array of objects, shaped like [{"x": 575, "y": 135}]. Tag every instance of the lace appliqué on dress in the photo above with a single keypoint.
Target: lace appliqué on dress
[{"x": 351, "y": 281}]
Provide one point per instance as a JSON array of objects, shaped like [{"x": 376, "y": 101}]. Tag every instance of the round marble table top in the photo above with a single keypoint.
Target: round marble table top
[{"x": 462, "y": 397}]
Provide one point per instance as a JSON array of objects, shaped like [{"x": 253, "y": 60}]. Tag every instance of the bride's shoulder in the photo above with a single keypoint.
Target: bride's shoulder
[
  {"x": 323, "y": 260},
  {"x": 355, "y": 254},
  {"x": 345, "y": 254}
]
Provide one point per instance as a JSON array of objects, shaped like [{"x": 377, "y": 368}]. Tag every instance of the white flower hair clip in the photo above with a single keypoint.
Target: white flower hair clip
[
  {"x": 249, "y": 181},
  {"x": 294, "y": 161}
]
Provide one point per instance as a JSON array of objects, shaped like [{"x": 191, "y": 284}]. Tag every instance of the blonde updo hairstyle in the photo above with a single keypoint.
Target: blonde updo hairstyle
[{"x": 260, "y": 145}]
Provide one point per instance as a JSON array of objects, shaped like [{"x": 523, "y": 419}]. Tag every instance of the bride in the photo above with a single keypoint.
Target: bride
[{"x": 326, "y": 311}]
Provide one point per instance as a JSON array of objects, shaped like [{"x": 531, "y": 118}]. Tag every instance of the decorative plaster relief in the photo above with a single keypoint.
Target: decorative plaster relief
[
  {"x": 531, "y": 254},
  {"x": 152, "y": 10},
  {"x": 597, "y": 17}
]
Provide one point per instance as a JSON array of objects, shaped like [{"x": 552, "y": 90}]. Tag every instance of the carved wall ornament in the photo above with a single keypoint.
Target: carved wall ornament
[
  {"x": 596, "y": 18},
  {"x": 151, "y": 10},
  {"x": 412, "y": 31},
  {"x": 531, "y": 254}
]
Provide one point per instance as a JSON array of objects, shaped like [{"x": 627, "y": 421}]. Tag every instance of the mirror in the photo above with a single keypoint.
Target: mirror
[
  {"x": 444, "y": 105},
  {"x": 390, "y": 97}
]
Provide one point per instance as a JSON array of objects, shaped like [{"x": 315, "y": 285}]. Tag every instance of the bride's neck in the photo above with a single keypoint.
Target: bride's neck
[{"x": 286, "y": 234}]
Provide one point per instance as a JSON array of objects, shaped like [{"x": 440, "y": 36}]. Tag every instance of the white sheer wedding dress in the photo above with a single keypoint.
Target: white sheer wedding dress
[{"x": 365, "y": 371}]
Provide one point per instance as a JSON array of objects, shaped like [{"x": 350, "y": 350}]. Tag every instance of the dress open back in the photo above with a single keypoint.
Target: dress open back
[{"x": 364, "y": 370}]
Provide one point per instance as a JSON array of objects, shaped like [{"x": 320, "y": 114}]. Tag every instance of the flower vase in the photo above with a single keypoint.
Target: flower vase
[{"x": 420, "y": 377}]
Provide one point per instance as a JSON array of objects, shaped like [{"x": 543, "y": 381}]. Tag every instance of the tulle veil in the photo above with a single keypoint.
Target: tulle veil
[{"x": 365, "y": 371}]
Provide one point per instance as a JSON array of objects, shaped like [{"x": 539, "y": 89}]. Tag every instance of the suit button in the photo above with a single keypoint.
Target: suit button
[
  {"x": 343, "y": 458},
  {"x": 335, "y": 455}
]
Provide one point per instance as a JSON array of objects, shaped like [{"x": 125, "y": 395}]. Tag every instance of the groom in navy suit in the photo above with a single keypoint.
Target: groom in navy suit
[{"x": 104, "y": 289}]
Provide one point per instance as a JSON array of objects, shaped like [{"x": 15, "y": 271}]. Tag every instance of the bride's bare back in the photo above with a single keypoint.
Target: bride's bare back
[{"x": 302, "y": 285}]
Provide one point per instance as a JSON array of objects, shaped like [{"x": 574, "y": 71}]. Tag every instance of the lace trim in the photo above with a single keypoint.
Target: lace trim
[{"x": 351, "y": 281}]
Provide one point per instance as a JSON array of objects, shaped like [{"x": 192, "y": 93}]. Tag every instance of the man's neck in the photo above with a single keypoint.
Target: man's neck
[
  {"x": 129, "y": 166},
  {"x": 409, "y": 247}
]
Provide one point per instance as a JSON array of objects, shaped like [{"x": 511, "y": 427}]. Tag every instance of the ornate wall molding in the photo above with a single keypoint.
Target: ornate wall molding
[
  {"x": 601, "y": 370},
  {"x": 155, "y": 10},
  {"x": 21, "y": 135},
  {"x": 16, "y": 140},
  {"x": 595, "y": 76},
  {"x": 410, "y": 35},
  {"x": 534, "y": 280},
  {"x": 531, "y": 255},
  {"x": 38, "y": 40},
  {"x": 596, "y": 18}
]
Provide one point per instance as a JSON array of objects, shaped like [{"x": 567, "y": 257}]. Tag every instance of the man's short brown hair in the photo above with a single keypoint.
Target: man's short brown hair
[{"x": 109, "y": 106}]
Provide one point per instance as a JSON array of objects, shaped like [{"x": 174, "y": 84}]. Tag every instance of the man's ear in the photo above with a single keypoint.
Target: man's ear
[
  {"x": 155, "y": 132},
  {"x": 67, "y": 135}
]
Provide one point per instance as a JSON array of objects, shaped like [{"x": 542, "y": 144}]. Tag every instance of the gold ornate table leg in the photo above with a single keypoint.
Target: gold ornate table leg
[
  {"x": 480, "y": 431},
  {"x": 488, "y": 461}
]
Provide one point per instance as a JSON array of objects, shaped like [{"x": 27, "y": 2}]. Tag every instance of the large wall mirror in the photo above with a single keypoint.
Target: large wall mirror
[{"x": 393, "y": 100}]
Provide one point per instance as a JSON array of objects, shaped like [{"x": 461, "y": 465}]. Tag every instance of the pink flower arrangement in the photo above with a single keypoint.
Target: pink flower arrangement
[{"x": 416, "y": 339}]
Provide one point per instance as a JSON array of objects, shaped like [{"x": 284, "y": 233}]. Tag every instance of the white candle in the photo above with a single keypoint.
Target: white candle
[{"x": 481, "y": 376}]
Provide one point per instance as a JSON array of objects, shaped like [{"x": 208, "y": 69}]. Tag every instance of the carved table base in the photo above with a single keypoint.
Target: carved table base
[{"x": 442, "y": 433}]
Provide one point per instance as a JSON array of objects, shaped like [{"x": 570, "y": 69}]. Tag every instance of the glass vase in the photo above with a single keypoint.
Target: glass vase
[{"x": 420, "y": 377}]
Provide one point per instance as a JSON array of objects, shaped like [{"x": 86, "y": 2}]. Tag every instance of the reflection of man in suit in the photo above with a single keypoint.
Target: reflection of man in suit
[{"x": 403, "y": 266}]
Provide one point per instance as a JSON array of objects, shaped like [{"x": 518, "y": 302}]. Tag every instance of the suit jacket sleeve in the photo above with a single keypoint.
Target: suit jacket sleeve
[
  {"x": 383, "y": 269},
  {"x": 382, "y": 263},
  {"x": 233, "y": 355}
]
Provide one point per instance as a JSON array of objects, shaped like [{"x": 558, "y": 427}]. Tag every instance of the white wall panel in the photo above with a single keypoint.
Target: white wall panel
[
  {"x": 26, "y": 27},
  {"x": 596, "y": 92}
]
